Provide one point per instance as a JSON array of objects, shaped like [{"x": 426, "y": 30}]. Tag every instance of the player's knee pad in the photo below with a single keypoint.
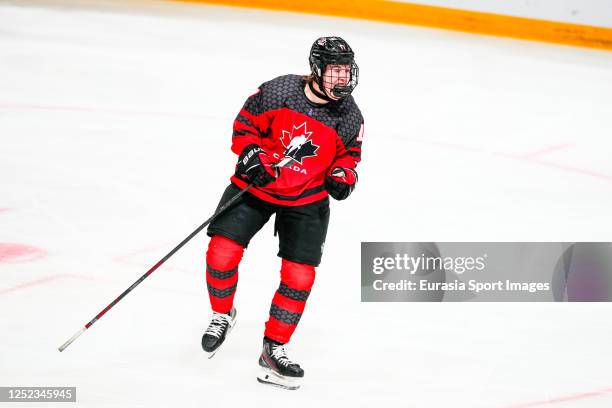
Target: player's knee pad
[
  {"x": 297, "y": 276},
  {"x": 223, "y": 253},
  {"x": 222, "y": 259}
]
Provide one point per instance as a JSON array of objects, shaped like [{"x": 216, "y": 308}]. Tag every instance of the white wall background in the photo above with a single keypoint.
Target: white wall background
[{"x": 590, "y": 12}]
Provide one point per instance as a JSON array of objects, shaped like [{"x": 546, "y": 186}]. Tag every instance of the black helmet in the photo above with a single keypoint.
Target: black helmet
[{"x": 333, "y": 51}]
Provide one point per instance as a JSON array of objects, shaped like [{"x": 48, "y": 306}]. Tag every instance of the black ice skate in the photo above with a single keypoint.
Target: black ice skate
[
  {"x": 218, "y": 329},
  {"x": 277, "y": 369}
]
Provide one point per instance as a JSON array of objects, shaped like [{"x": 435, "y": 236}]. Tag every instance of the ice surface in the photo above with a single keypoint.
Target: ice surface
[{"x": 115, "y": 124}]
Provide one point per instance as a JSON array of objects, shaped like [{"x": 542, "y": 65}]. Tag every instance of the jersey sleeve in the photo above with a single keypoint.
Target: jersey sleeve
[
  {"x": 248, "y": 126},
  {"x": 255, "y": 118},
  {"x": 348, "y": 144}
]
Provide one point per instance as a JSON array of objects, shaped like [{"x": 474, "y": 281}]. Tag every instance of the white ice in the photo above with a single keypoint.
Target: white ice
[{"x": 115, "y": 125}]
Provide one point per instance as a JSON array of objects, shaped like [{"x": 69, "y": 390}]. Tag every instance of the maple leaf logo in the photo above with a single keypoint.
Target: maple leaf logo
[{"x": 298, "y": 144}]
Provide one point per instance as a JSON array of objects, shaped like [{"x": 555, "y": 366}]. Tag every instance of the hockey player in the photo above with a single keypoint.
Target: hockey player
[{"x": 298, "y": 139}]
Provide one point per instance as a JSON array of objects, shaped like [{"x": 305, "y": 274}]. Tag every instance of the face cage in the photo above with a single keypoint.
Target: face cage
[{"x": 341, "y": 91}]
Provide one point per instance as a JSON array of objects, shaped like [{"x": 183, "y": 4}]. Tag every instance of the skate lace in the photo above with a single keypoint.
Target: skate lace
[
  {"x": 280, "y": 354},
  {"x": 218, "y": 324}
]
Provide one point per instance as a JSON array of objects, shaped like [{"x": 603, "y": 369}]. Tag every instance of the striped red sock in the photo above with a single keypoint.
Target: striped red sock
[{"x": 289, "y": 300}]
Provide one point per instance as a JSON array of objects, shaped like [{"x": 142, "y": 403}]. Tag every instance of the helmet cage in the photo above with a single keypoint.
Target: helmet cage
[{"x": 325, "y": 52}]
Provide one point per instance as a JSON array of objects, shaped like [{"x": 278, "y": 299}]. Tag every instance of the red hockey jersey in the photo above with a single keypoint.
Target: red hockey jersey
[{"x": 282, "y": 120}]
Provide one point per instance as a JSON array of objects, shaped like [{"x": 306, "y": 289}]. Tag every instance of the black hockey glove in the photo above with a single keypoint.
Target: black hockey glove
[
  {"x": 340, "y": 182},
  {"x": 256, "y": 166}
]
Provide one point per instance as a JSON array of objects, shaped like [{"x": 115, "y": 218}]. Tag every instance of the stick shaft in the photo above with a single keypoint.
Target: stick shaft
[{"x": 157, "y": 265}]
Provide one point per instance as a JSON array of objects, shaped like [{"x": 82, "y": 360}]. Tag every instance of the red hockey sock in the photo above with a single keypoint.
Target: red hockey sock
[
  {"x": 222, "y": 259},
  {"x": 289, "y": 300}
]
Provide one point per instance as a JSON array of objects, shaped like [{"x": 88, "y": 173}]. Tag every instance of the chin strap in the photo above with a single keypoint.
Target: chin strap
[{"x": 318, "y": 93}]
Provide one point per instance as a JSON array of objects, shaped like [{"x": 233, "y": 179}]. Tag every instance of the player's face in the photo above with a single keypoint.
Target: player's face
[{"x": 336, "y": 75}]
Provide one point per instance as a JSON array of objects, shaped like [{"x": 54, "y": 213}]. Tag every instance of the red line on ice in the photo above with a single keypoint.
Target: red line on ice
[
  {"x": 526, "y": 158},
  {"x": 565, "y": 398},
  {"x": 17, "y": 106},
  {"x": 573, "y": 169},
  {"x": 35, "y": 282},
  {"x": 548, "y": 149},
  {"x": 101, "y": 280},
  {"x": 128, "y": 258},
  {"x": 49, "y": 279}
]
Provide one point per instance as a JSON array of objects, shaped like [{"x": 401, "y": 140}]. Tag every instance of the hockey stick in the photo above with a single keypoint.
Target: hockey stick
[{"x": 157, "y": 265}]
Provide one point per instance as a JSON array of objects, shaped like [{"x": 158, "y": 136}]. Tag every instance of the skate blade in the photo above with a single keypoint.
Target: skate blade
[
  {"x": 269, "y": 377},
  {"x": 229, "y": 330}
]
